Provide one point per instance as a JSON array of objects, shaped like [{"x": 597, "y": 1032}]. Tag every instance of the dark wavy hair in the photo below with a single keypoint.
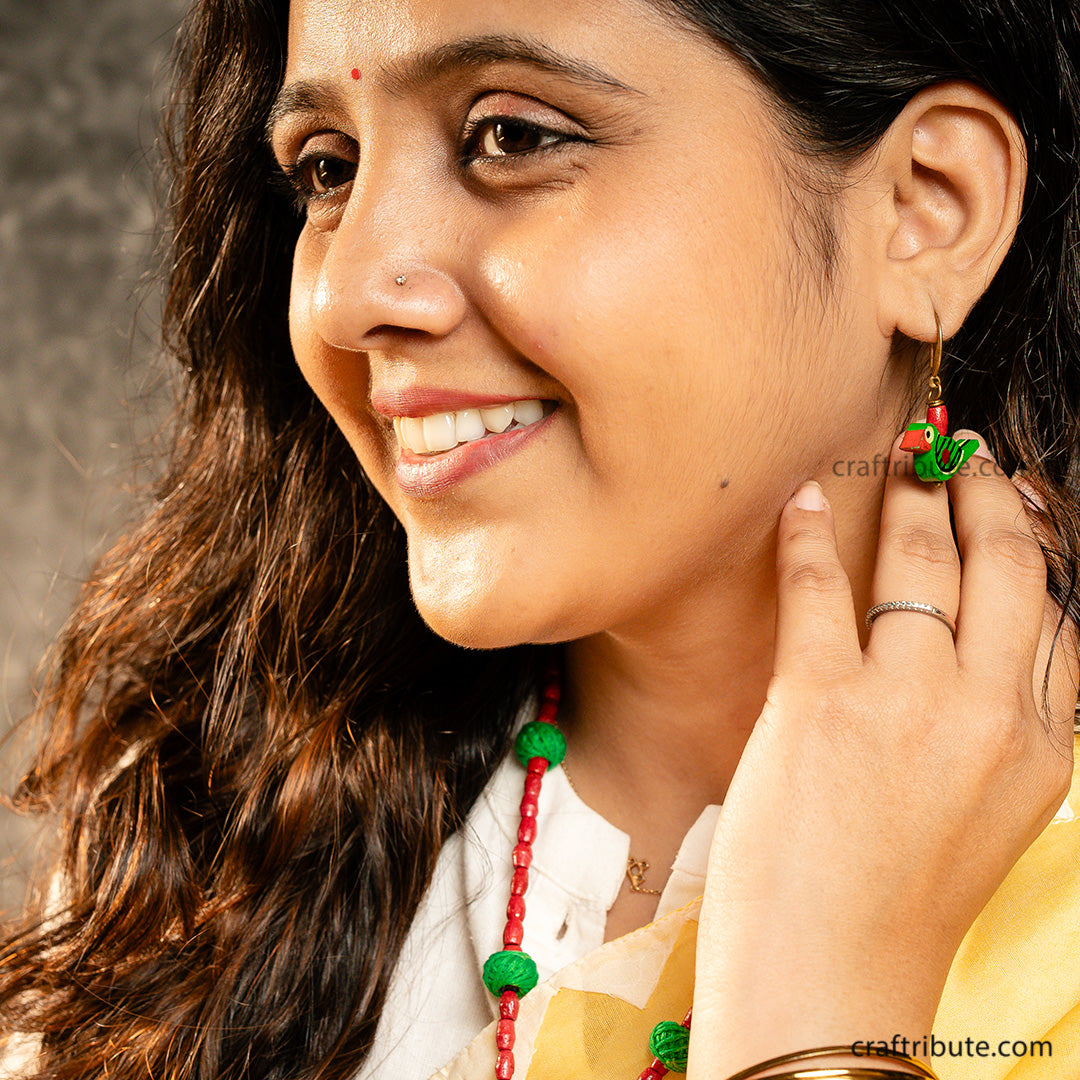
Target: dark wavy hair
[{"x": 254, "y": 746}]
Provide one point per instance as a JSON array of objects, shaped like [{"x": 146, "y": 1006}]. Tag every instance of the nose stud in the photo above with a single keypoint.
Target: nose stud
[{"x": 400, "y": 279}]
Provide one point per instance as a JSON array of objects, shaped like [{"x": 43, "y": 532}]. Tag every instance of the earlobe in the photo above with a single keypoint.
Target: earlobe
[{"x": 956, "y": 165}]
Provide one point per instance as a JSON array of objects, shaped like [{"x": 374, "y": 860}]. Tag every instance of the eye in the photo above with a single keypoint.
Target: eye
[
  {"x": 492, "y": 137},
  {"x": 319, "y": 173},
  {"x": 326, "y": 173},
  {"x": 317, "y": 176}
]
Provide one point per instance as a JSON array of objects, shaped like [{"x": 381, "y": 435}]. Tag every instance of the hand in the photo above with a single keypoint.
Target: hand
[{"x": 883, "y": 795}]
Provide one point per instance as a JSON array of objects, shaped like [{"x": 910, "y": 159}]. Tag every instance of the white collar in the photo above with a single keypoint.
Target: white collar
[{"x": 578, "y": 867}]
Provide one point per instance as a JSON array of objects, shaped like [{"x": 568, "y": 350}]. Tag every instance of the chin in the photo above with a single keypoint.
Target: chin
[
  {"x": 472, "y": 629},
  {"x": 473, "y": 620}
]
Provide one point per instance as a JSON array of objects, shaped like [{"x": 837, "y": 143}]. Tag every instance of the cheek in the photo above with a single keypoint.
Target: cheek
[{"x": 652, "y": 301}]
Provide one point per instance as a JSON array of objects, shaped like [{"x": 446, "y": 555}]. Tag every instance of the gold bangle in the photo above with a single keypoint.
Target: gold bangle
[
  {"x": 828, "y": 1051},
  {"x": 842, "y": 1072}
]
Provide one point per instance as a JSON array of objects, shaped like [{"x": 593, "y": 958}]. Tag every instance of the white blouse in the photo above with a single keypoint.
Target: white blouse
[{"x": 437, "y": 1002}]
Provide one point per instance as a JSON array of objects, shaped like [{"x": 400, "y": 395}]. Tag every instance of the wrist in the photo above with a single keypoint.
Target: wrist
[{"x": 775, "y": 994}]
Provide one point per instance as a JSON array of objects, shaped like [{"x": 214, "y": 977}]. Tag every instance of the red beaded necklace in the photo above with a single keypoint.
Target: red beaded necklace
[{"x": 511, "y": 973}]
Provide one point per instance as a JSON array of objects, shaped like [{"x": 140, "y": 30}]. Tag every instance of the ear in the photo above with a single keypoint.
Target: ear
[{"x": 949, "y": 176}]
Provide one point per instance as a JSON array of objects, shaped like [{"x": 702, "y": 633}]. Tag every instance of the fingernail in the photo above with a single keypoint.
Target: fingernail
[
  {"x": 810, "y": 496},
  {"x": 983, "y": 451}
]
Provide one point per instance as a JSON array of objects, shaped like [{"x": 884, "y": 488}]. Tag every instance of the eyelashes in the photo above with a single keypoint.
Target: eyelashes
[
  {"x": 321, "y": 176},
  {"x": 506, "y": 128},
  {"x": 314, "y": 176}
]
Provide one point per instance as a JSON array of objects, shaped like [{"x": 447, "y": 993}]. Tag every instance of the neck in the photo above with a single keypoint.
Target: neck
[{"x": 657, "y": 714}]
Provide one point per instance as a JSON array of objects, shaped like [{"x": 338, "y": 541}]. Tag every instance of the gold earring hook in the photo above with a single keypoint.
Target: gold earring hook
[{"x": 933, "y": 396}]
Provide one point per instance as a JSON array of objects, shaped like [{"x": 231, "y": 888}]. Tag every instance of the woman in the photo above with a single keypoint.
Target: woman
[{"x": 662, "y": 262}]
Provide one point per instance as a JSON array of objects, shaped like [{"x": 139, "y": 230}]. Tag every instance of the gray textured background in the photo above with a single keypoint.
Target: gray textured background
[{"x": 81, "y": 384}]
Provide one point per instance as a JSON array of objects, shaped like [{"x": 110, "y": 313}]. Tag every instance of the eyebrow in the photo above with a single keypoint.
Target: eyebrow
[{"x": 414, "y": 72}]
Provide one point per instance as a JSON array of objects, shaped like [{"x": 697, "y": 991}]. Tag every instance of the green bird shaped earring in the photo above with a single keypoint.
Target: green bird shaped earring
[{"x": 937, "y": 456}]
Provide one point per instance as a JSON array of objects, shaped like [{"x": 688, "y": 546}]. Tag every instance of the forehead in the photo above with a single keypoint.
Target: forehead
[{"x": 379, "y": 37}]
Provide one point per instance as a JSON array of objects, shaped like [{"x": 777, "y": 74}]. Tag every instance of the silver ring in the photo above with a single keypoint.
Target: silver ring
[
  {"x": 400, "y": 279},
  {"x": 910, "y": 605}
]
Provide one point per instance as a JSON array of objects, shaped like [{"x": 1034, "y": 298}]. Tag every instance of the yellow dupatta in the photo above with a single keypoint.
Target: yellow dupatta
[{"x": 1015, "y": 978}]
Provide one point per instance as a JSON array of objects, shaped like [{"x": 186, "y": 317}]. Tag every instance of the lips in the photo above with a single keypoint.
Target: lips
[
  {"x": 425, "y": 400},
  {"x": 431, "y": 475}
]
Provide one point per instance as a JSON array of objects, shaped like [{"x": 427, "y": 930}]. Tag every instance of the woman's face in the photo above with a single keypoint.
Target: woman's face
[{"x": 620, "y": 246}]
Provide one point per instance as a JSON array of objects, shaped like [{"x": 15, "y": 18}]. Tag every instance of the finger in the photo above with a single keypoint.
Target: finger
[
  {"x": 1003, "y": 585},
  {"x": 917, "y": 561},
  {"x": 815, "y": 614},
  {"x": 1059, "y": 642}
]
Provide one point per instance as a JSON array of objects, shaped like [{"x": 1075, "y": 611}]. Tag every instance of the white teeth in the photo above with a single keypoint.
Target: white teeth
[
  {"x": 470, "y": 425},
  {"x": 528, "y": 412},
  {"x": 440, "y": 431},
  {"x": 498, "y": 418},
  {"x": 443, "y": 431},
  {"x": 412, "y": 434}
]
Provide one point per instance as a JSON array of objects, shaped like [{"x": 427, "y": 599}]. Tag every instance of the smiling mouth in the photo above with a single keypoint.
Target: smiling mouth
[{"x": 438, "y": 433}]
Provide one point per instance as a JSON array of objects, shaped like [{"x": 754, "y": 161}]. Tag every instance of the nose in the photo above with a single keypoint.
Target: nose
[{"x": 385, "y": 269}]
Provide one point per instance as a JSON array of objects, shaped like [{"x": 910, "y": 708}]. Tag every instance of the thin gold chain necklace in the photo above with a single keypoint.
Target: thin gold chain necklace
[{"x": 636, "y": 869}]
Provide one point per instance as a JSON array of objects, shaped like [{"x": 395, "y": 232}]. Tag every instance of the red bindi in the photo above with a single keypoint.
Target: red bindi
[{"x": 356, "y": 73}]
